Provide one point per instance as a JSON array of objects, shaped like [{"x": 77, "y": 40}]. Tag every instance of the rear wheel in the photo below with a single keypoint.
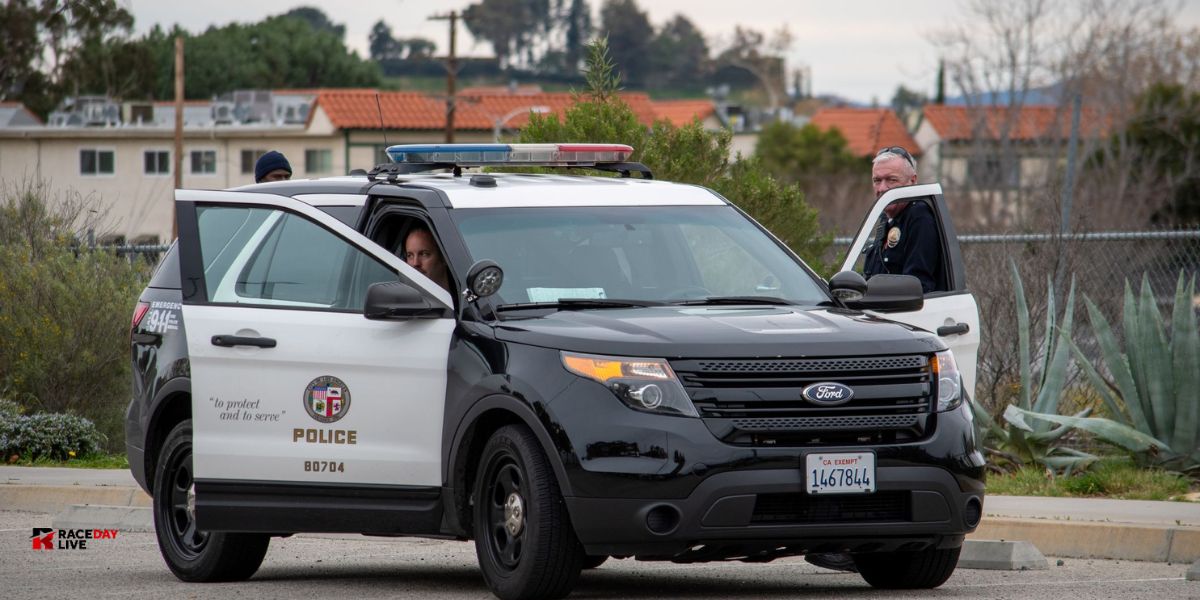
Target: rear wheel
[
  {"x": 908, "y": 570},
  {"x": 192, "y": 554},
  {"x": 526, "y": 546}
]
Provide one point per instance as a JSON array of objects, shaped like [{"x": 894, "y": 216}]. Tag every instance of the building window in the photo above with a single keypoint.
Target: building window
[
  {"x": 318, "y": 161},
  {"x": 204, "y": 161},
  {"x": 249, "y": 159},
  {"x": 157, "y": 162},
  {"x": 96, "y": 162}
]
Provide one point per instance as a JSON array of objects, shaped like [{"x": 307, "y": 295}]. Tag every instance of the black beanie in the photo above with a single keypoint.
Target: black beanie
[{"x": 269, "y": 162}]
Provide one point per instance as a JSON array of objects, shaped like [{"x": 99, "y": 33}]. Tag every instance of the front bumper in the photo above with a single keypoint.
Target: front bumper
[
  {"x": 660, "y": 486},
  {"x": 739, "y": 513}
]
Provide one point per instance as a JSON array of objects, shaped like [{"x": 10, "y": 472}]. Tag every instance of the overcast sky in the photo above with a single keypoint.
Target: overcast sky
[{"x": 857, "y": 49}]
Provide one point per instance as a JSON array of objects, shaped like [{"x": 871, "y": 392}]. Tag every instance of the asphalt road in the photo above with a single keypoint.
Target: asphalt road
[{"x": 311, "y": 566}]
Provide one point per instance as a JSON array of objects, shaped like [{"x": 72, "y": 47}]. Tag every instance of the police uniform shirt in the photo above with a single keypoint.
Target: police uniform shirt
[{"x": 907, "y": 245}]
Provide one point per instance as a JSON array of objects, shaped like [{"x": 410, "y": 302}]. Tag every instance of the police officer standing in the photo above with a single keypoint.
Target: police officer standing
[{"x": 906, "y": 238}]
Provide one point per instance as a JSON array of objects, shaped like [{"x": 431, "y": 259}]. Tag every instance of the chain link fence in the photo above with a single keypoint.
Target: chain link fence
[{"x": 1097, "y": 264}]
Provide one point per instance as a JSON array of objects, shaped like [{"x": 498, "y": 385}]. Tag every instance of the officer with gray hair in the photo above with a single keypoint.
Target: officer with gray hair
[{"x": 906, "y": 240}]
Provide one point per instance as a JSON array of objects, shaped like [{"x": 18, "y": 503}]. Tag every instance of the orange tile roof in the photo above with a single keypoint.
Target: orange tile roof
[
  {"x": 1029, "y": 123},
  {"x": 520, "y": 90},
  {"x": 867, "y": 129},
  {"x": 356, "y": 109},
  {"x": 681, "y": 112}
]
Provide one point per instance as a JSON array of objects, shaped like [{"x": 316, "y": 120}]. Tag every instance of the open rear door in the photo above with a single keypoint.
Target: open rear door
[{"x": 950, "y": 310}]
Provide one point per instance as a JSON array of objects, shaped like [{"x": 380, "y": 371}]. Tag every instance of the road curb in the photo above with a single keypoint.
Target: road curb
[
  {"x": 56, "y": 498},
  {"x": 1076, "y": 539},
  {"x": 95, "y": 516}
]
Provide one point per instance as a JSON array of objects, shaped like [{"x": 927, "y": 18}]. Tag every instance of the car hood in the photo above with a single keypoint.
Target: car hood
[{"x": 691, "y": 331}]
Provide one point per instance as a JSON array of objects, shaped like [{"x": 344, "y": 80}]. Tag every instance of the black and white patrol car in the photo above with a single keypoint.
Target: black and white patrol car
[{"x": 622, "y": 367}]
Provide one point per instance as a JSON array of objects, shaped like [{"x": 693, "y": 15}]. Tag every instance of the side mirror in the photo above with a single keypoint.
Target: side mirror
[
  {"x": 891, "y": 293},
  {"x": 848, "y": 286},
  {"x": 484, "y": 278},
  {"x": 398, "y": 300}
]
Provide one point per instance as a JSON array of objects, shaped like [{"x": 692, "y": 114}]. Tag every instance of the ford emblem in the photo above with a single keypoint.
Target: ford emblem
[{"x": 828, "y": 393}]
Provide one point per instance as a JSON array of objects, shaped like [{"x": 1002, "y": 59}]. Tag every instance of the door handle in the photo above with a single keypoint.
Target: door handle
[
  {"x": 230, "y": 341},
  {"x": 955, "y": 329}
]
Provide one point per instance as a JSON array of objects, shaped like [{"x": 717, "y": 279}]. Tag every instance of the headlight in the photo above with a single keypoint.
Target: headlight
[
  {"x": 949, "y": 381},
  {"x": 646, "y": 384}
]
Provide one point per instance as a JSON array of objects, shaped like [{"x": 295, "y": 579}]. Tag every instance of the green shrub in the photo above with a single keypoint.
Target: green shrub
[
  {"x": 52, "y": 435},
  {"x": 64, "y": 311}
]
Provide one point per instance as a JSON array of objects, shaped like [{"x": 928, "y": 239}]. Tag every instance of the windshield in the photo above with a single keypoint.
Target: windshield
[{"x": 652, "y": 253}]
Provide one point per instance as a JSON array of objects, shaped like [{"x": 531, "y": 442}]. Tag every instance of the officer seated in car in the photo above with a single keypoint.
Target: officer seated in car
[{"x": 421, "y": 253}]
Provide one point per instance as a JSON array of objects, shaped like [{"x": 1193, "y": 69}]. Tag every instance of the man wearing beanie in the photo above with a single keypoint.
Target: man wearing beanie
[{"x": 272, "y": 166}]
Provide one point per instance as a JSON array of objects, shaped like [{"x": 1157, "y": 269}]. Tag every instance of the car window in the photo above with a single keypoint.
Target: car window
[
  {"x": 657, "y": 253},
  {"x": 270, "y": 257}
]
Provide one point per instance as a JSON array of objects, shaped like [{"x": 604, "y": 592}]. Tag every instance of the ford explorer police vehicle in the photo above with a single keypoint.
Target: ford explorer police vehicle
[{"x": 622, "y": 367}]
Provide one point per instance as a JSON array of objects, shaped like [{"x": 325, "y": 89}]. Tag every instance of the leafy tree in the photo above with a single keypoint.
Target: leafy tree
[
  {"x": 799, "y": 154},
  {"x": 629, "y": 35},
  {"x": 512, "y": 27},
  {"x": 317, "y": 19},
  {"x": 679, "y": 54},
  {"x": 381, "y": 44},
  {"x": 578, "y": 29},
  {"x": 278, "y": 52},
  {"x": 687, "y": 154},
  {"x": 906, "y": 102},
  {"x": 38, "y": 38}
]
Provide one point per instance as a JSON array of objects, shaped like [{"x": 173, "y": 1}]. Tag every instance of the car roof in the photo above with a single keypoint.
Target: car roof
[{"x": 500, "y": 190}]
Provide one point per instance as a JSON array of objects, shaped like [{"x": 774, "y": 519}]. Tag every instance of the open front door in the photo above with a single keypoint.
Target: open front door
[
  {"x": 950, "y": 310},
  {"x": 291, "y": 384}
]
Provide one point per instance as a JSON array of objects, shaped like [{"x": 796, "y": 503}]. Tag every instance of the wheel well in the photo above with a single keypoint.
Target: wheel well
[
  {"x": 467, "y": 463},
  {"x": 171, "y": 411}
]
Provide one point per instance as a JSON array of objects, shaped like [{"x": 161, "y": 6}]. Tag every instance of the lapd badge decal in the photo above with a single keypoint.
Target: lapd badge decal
[
  {"x": 327, "y": 399},
  {"x": 893, "y": 237}
]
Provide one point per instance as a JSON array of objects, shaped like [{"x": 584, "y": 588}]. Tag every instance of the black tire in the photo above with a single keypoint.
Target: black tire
[
  {"x": 191, "y": 554},
  {"x": 593, "y": 561},
  {"x": 926, "y": 569},
  {"x": 523, "y": 536}
]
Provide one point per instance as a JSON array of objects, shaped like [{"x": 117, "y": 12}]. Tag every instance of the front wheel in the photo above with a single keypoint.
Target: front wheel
[
  {"x": 926, "y": 569},
  {"x": 523, "y": 536},
  {"x": 192, "y": 554}
]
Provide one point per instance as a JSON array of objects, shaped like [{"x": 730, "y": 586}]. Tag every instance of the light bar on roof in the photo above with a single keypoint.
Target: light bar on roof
[{"x": 533, "y": 155}]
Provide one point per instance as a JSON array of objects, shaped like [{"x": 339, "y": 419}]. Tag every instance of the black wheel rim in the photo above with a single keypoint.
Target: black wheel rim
[
  {"x": 180, "y": 519},
  {"x": 505, "y": 482}
]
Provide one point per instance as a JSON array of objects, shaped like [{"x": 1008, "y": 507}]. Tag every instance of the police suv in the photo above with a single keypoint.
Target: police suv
[{"x": 622, "y": 367}]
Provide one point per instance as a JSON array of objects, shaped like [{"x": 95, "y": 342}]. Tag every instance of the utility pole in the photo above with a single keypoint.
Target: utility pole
[
  {"x": 451, "y": 72},
  {"x": 178, "y": 131}
]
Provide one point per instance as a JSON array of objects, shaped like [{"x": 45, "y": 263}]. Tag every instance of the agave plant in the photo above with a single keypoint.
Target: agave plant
[
  {"x": 1016, "y": 441},
  {"x": 1156, "y": 379},
  {"x": 1033, "y": 428}
]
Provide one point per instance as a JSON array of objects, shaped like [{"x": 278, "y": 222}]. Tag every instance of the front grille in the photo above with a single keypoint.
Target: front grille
[
  {"x": 759, "y": 401},
  {"x": 890, "y": 506}
]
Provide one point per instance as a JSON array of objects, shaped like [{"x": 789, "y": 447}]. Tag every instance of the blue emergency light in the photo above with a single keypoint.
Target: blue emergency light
[{"x": 464, "y": 155}]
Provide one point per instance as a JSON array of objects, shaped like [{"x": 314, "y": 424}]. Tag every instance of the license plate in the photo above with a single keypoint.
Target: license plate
[{"x": 840, "y": 473}]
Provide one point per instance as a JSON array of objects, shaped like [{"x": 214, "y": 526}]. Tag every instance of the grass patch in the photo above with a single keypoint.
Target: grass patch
[
  {"x": 1113, "y": 478},
  {"x": 90, "y": 461}
]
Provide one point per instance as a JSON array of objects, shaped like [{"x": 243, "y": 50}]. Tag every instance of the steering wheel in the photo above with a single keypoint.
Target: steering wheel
[{"x": 690, "y": 292}]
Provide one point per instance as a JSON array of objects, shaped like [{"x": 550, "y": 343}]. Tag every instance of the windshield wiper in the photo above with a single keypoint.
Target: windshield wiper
[
  {"x": 726, "y": 300},
  {"x": 579, "y": 303}
]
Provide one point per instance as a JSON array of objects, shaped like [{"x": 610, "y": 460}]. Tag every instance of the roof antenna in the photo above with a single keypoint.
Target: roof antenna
[{"x": 379, "y": 107}]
